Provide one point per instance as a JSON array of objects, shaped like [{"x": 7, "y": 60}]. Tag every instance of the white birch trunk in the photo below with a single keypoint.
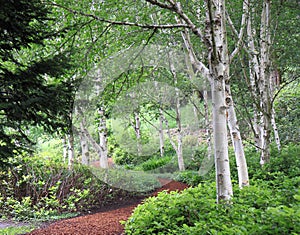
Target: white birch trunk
[
  {"x": 95, "y": 145},
  {"x": 70, "y": 150},
  {"x": 217, "y": 67},
  {"x": 85, "y": 155},
  {"x": 276, "y": 133},
  {"x": 65, "y": 148},
  {"x": 207, "y": 125},
  {"x": 235, "y": 134},
  {"x": 177, "y": 148},
  {"x": 137, "y": 129},
  {"x": 232, "y": 122},
  {"x": 207, "y": 163},
  {"x": 102, "y": 129},
  {"x": 178, "y": 120},
  {"x": 264, "y": 82},
  {"x": 274, "y": 81},
  {"x": 179, "y": 135},
  {"x": 254, "y": 77},
  {"x": 161, "y": 133}
]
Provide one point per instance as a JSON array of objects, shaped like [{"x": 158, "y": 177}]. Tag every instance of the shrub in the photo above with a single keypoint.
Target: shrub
[
  {"x": 155, "y": 162},
  {"x": 257, "y": 209},
  {"x": 38, "y": 188}
]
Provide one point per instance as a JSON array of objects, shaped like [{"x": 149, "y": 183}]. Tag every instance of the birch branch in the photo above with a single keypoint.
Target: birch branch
[
  {"x": 198, "y": 65},
  {"x": 240, "y": 35},
  {"x": 176, "y": 7},
  {"x": 124, "y": 23}
]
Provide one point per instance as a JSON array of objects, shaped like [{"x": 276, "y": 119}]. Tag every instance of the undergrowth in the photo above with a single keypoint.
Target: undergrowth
[{"x": 270, "y": 205}]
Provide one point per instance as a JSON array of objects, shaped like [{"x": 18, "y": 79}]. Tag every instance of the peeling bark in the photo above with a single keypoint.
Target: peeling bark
[{"x": 218, "y": 70}]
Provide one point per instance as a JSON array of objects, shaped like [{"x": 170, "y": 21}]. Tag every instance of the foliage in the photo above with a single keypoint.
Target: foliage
[
  {"x": 288, "y": 115},
  {"x": 270, "y": 205},
  {"x": 191, "y": 178},
  {"x": 33, "y": 91},
  {"x": 155, "y": 163},
  {"x": 255, "y": 210},
  {"x": 128, "y": 180},
  {"x": 16, "y": 230},
  {"x": 43, "y": 189}
]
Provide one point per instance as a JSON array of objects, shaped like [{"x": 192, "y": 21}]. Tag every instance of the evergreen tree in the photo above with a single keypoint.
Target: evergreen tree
[{"x": 32, "y": 89}]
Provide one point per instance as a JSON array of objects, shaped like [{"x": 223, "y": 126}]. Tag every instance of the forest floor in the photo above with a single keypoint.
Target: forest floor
[{"x": 106, "y": 221}]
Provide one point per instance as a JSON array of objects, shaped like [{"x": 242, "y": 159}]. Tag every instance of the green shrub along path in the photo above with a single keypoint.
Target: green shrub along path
[{"x": 270, "y": 205}]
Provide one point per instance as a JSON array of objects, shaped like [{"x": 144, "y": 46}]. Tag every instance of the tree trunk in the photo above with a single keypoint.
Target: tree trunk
[
  {"x": 161, "y": 133},
  {"x": 235, "y": 134},
  {"x": 70, "y": 150},
  {"x": 217, "y": 68},
  {"x": 207, "y": 162},
  {"x": 232, "y": 122},
  {"x": 103, "y": 138},
  {"x": 276, "y": 133},
  {"x": 264, "y": 82},
  {"x": 254, "y": 75},
  {"x": 85, "y": 155},
  {"x": 179, "y": 150},
  {"x": 179, "y": 134},
  {"x": 65, "y": 148},
  {"x": 137, "y": 129},
  {"x": 95, "y": 145}
]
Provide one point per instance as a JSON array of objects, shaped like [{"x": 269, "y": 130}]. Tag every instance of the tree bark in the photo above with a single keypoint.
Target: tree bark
[
  {"x": 179, "y": 150},
  {"x": 70, "y": 150},
  {"x": 85, "y": 155},
  {"x": 217, "y": 68},
  {"x": 65, "y": 148},
  {"x": 102, "y": 129},
  {"x": 264, "y": 82},
  {"x": 161, "y": 133},
  {"x": 236, "y": 138}
]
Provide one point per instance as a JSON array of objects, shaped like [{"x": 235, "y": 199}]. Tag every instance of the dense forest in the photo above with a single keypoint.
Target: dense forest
[{"x": 100, "y": 99}]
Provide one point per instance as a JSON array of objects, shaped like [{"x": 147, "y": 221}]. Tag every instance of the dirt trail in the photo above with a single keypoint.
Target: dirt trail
[{"x": 102, "y": 223}]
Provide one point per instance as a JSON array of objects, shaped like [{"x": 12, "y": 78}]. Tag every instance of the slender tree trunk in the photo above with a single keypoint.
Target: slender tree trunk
[
  {"x": 102, "y": 129},
  {"x": 274, "y": 82},
  {"x": 70, "y": 150},
  {"x": 232, "y": 122},
  {"x": 179, "y": 134},
  {"x": 178, "y": 120},
  {"x": 207, "y": 162},
  {"x": 235, "y": 134},
  {"x": 85, "y": 155},
  {"x": 254, "y": 76},
  {"x": 207, "y": 125},
  {"x": 217, "y": 67},
  {"x": 276, "y": 133},
  {"x": 161, "y": 133},
  {"x": 95, "y": 145},
  {"x": 65, "y": 148},
  {"x": 264, "y": 82},
  {"x": 137, "y": 128}
]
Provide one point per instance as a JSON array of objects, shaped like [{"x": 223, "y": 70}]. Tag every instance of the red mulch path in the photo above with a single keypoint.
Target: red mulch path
[{"x": 101, "y": 223}]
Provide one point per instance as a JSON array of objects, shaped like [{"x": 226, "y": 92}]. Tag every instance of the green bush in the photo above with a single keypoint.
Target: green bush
[
  {"x": 38, "y": 188},
  {"x": 257, "y": 209},
  {"x": 155, "y": 162},
  {"x": 191, "y": 178}
]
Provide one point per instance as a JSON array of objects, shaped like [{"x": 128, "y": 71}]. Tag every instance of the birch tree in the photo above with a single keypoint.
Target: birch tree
[
  {"x": 258, "y": 48},
  {"x": 214, "y": 40}
]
